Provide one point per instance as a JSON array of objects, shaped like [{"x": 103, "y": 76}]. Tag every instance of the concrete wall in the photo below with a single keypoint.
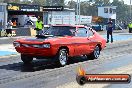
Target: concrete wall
[{"x": 23, "y": 32}]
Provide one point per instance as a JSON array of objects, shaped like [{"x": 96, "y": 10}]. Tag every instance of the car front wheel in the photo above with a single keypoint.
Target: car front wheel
[
  {"x": 26, "y": 59},
  {"x": 95, "y": 54},
  {"x": 62, "y": 57}
]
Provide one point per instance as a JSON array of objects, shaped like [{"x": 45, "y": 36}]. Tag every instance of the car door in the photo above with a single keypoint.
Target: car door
[
  {"x": 68, "y": 38},
  {"x": 92, "y": 40},
  {"x": 71, "y": 41},
  {"x": 82, "y": 42}
]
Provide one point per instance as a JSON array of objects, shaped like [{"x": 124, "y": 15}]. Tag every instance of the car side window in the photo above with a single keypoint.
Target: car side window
[
  {"x": 90, "y": 33},
  {"x": 81, "y": 32}
]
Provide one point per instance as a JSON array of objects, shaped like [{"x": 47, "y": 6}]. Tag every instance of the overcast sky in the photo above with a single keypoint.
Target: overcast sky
[{"x": 126, "y": 1}]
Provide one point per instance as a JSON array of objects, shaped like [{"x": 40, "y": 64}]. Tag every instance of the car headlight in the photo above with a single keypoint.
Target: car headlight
[
  {"x": 16, "y": 44},
  {"x": 46, "y": 45}
]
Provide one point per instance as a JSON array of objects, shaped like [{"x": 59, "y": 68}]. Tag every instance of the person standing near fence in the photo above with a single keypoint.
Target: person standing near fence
[
  {"x": 130, "y": 27},
  {"x": 9, "y": 27},
  {"x": 15, "y": 24},
  {"x": 39, "y": 26}
]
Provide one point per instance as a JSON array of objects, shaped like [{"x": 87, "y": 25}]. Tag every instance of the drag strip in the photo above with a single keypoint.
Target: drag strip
[
  {"x": 43, "y": 74},
  {"x": 7, "y": 49},
  {"x": 127, "y": 69}
]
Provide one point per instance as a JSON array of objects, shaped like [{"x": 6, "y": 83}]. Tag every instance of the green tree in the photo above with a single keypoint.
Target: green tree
[
  {"x": 60, "y": 2},
  {"x": 38, "y": 2},
  {"x": 88, "y": 9},
  {"x": 1, "y": 1},
  {"x": 102, "y": 2},
  {"x": 11, "y": 1},
  {"x": 6, "y": 1},
  {"x": 122, "y": 10},
  {"x": 106, "y": 2},
  {"x": 55, "y": 3},
  {"x": 72, "y": 4}
]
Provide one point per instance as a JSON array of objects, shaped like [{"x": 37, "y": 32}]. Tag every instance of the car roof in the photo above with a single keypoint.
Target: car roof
[{"x": 69, "y": 25}]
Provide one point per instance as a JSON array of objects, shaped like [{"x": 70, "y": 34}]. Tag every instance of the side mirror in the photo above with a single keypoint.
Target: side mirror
[
  {"x": 87, "y": 38},
  {"x": 73, "y": 31},
  {"x": 90, "y": 29}
]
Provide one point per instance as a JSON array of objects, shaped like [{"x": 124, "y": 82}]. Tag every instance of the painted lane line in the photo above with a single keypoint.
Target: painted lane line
[
  {"x": 7, "y": 47},
  {"x": 7, "y": 50}
]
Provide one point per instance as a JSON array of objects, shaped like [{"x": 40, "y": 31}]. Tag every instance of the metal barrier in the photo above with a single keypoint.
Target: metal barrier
[
  {"x": 2, "y": 33},
  {"x": 18, "y": 32},
  {"x": 25, "y": 32}
]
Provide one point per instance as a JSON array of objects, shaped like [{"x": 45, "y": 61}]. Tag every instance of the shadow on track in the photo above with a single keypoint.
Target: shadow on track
[{"x": 38, "y": 65}]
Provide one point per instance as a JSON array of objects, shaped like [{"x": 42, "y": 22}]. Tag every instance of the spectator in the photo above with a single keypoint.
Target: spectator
[
  {"x": 9, "y": 24},
  {"x": 14, "y": 24},
  {"x": 9, "y": 27},
  {"x": 109, "y": 30},
  {"x": 130, "y": 27},
  {"x": 39, "y": 26}
]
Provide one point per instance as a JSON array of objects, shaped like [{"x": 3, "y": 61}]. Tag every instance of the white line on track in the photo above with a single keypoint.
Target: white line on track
[{"x": 7, "y": 47}]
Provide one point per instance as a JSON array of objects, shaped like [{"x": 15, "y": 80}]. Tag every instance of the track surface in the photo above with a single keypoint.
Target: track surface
[{"x": 45, "y": 74}]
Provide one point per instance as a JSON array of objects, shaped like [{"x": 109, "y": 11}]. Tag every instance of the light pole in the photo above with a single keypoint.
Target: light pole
[
  {"x": 51, "y": 12},
  {"x": 130, "y": 9},
  {"x": 78, "y": 12}
]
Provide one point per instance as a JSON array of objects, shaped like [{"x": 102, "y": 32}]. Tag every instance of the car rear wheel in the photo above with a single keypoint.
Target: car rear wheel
[
  {"x": 62, "y": 57},
  {"x": 26, "y": 59},
  {"x": 95, "y": 54}
]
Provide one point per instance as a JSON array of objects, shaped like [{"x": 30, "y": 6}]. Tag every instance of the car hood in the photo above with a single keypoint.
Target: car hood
[
  {"x": 40, "y": 40},
  {"x": 32, "y": 40}
]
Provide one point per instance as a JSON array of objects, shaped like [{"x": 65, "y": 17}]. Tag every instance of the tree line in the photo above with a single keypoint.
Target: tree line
[{"x": 88, "y": 7}]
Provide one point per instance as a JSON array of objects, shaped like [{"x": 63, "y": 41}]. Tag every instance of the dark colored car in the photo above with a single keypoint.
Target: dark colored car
[{"x": 97, "y": 27}]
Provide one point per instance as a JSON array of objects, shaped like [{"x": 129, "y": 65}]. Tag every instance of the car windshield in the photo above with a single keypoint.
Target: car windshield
[{"x": 61, "y": 31}]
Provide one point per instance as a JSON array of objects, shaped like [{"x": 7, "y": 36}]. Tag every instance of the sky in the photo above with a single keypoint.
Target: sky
[{"x": 125, "y": 1}]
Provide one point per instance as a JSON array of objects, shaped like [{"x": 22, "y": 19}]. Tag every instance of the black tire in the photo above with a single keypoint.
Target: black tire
[
  {"x": 95, "y": 54},
  {"x": 26, "y": 59},
  {"x": 62, "y": 57}
]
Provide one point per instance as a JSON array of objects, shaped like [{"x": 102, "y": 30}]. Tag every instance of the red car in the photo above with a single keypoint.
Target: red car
[{"x": 60, "y": 42}]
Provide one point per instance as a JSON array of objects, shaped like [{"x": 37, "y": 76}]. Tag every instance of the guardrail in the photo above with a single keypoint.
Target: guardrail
[{"x": 18, "y": 32}]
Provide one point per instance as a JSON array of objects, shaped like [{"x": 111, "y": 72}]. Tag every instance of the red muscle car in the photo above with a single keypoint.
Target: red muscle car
[{"x": 60, "y": 42}]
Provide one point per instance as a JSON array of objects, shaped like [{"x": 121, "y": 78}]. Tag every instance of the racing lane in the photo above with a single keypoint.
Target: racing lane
[
  {"x": 42, "y": 74},
  {"x": 6, "y": 46},
  {"x": 118, "y": 67}
]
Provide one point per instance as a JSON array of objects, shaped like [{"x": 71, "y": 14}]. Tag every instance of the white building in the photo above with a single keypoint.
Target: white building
[
  {"x": 107, "y": 12},
  {"x": 67, "y": 16}
]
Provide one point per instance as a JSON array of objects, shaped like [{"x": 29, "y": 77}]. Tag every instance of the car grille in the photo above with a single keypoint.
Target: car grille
[
  {"x": 31, "y": 45},
  {"x": 25, "y": 45}
]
